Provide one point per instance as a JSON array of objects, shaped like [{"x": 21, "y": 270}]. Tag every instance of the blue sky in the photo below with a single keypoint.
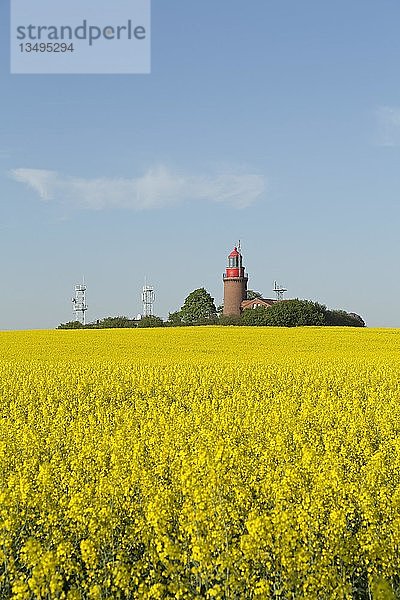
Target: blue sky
[{"x": 274, "y": 122}]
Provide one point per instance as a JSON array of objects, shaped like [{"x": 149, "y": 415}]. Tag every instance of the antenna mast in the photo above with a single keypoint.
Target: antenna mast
[
  {"x": 279, "y": 291},
  {"x": 79, "y": 305},
  {"x": 148, "y": 299}
]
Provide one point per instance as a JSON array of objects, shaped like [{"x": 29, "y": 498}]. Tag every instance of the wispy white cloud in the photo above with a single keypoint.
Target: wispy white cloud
[
  {"x": 388, "y": 120},
  {"x": 158, "y": 187},
  {"x": 41, "y": 181}
]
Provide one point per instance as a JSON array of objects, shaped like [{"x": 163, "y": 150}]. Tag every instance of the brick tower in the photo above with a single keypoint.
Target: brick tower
[{"x": 235, "y": 284}]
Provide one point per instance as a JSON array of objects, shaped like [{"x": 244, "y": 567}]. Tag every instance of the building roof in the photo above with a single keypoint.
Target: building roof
[
  {"x": 234, "y": 253},
  {"x": 254, "y": 302}
]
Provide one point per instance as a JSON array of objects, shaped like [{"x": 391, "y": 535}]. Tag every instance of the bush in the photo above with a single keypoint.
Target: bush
[
  {"x": 230, "y": 320},
  {"x": 175, "y": 319},
  {"x": 342, "y": 318},
  {"x": 255, "y": 316},
  {"x": 295, "y": 313},
  {"x": 71, "y": 325},
  {"x": 151, "y": 321},
  {"x": 115, "y": 322}
]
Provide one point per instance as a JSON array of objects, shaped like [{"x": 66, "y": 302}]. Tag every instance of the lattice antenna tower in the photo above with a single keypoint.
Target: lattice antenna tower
[
  {"x": 279, "y": 291},
  {"x": 148, "y": 299},
  {"x": 79, "y": 302}
]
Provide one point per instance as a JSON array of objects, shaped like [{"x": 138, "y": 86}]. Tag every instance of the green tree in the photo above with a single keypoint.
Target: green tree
[
  {"x": 71, "y": 325},
  {"x": 357, "y": 319},
  {"x": 175, "y": 319},
  {"x": 150, "y": 321},
  {"x": 198, "y": 308},
  {"x": 296, "y": 313},
  {"x": 220, "y": 309},
  {"x": 252, "y": 295},
  {"x": 343, "y": 319}
]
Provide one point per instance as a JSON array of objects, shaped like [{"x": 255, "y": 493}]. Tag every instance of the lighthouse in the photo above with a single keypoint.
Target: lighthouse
[{"x": 235, "y": 283}]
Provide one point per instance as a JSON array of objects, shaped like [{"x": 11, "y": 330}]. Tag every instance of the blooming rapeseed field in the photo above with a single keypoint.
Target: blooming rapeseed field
[{"x": 204, "y": 462}]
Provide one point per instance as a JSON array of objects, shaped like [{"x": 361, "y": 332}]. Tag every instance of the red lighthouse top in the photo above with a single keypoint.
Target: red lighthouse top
[
  {"x": 234, "y": 253},
  {"x": 234, "y": 268}
]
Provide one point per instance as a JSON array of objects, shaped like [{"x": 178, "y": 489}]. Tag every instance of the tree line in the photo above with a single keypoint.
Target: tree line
[{"x": 199, "y": 309}]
